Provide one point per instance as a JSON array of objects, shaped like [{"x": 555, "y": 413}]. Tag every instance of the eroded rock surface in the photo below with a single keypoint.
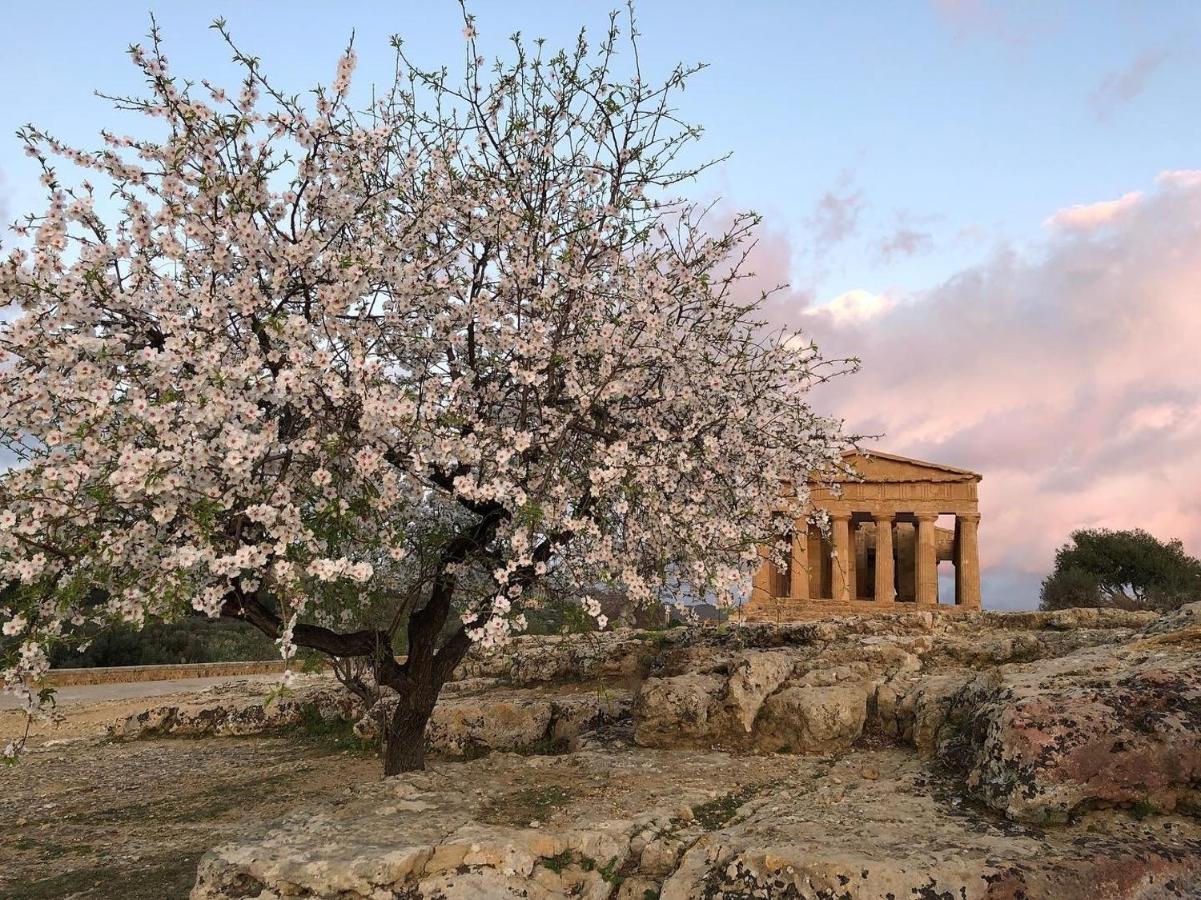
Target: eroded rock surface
[
  {"x": 693, "y": 824},
  {"x": 239, "y": 709},
  {"x": 903, "y": 833},
  {"x": 1043, "y": 713},
  {"x": 990, "y": 756},
  {"x": 1096, "y": 727},
  {"x": 474, "y": 716}
]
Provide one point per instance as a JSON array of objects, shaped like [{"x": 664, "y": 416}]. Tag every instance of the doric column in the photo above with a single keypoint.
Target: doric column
[
  {"x": 967, "y": 561},
  {"x": 842, "y": 569},
  {"x": 860, "y": 584},
  {"x": 885, "y": 573},
  {"x": 799, "y": 570},
  {"x": 816, "y": 564},
  {"x": 765, "y": 577},
  {"x": 852, "y": 561},
  {"x": 927, "y": 562}
]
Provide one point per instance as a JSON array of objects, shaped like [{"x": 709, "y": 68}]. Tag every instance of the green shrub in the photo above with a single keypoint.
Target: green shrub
[{"x": 192, "y": 640}]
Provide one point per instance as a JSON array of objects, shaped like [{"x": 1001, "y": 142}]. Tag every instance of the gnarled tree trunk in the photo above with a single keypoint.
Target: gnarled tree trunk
[{"x": 404, "y": 738}]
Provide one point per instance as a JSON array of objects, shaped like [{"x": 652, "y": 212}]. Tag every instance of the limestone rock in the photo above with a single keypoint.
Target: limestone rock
[
  {"x": 660, "y": 856},
  {"x": 241, "y": 710},
  {"x": 678, "y": 711},
  {"x": 637, "y": 887},
  {"x": 902, "y": 836},
  {"x": 1079, "y": 732},
  {"x": 1042, "y": 741},
  {"x": 920, "y": 713},
  {"x": 498, "y": 724},
  {"x": 460, "y": 829},
  {"x": 755, "y": 675},
  {"x": 765, "y": 826},
  {"x": 463, "y": 722},
  {"x": 514, "y": 720},
  {"x": 533, "y": 659},
  {"x": 812, "y": 719}
]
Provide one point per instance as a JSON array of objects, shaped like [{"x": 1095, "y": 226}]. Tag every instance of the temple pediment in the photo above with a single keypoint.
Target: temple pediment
[{"x": 886, "y": 467}]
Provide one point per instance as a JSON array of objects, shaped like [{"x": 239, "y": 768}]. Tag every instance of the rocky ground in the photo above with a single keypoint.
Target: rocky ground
[
  {"x": 88, "y": 817},
  {"x": 905, "y": 756}
]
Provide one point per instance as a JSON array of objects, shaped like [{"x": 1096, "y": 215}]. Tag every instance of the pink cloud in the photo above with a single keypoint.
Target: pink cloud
[
  {"x": 836, "y": 216},
  {"x": 979, "y": 17},
  {"x": 1184, "y": 178},
  {"x": 904, "y": 241},
  {"x": 1086, "y": 216},
  {"x": 1120, "y": 87},
  {"x": 852, "y": 307},
  {"x": 768, "y": 268},
  {"x": 1069, "y": 376}
]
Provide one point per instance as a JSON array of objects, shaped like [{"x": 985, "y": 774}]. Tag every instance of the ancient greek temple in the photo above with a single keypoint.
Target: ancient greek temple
[{"x": 884, "y": 544}]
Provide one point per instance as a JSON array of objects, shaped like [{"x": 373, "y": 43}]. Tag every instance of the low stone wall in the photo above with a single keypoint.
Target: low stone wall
[{"x": 119, "y": 674}]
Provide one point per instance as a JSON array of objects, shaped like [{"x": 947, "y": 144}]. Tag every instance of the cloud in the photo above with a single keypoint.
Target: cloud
[
  {"x": 904, "y": 241},
  {"x": 836, "y": 216},
  {"x": 965, "y": 15},
  {"x": 968, "y": 18},
  {"x": 1119, "y": 88},
  {"x": 1087, "y": 216},
  {"x": 1066, "y": 374},
  {"x": 852, "y": 308},
  {"x": 768, "y": 269},
  {"x": 1184, "y": 178}
]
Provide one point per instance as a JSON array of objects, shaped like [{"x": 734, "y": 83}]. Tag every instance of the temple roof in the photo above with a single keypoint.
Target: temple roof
[{"x": 875, "y": 465}]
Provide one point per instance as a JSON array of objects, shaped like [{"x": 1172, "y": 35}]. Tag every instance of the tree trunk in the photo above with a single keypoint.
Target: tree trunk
[{"x": 404, "y": 738}]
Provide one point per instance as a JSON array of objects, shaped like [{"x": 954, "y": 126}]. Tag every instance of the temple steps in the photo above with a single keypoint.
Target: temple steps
[{"x": 785, "y": 610}]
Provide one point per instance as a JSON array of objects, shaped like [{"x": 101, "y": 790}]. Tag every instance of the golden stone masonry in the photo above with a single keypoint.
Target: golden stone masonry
[{"x": 884, "y": 546}]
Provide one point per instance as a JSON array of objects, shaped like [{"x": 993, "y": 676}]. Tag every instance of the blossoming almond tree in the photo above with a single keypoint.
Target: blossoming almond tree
[{"x": 362, "y": 377}]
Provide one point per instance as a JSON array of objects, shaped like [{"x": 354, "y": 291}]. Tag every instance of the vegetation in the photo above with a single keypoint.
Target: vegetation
[
  {"x": 191, "y": 640},
  {"x": 718, "y": 812},
  {"x": 331, "y": 735},
  {"x": 1122, "y": 569},
  {"x": 526, "y": 805}
]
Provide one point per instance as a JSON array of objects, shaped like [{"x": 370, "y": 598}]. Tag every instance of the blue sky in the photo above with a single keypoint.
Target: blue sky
[
  {"x": 962, "y": 121},
  {"x": 899, "y": 150}
]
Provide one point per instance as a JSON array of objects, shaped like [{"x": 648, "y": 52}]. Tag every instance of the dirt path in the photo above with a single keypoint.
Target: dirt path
[
  {"x": 92, "y": 694},
  {"x": 81, "y": 817}
]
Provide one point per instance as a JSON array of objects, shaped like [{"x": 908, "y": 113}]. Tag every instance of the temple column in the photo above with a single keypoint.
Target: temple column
[
  {"x": 765, "y": 577},
  {"x": 842, "y": 569},
  {"x": 885, "y": 578},
  {"x": 927, "y": 561},
  {"x": 967, "y": 561},
  {"x": 815, "y": 563},
  {"x": 799, "y": 569},
  {"x": 861, "y": 583},
  {"x": 852, "y": 560}
]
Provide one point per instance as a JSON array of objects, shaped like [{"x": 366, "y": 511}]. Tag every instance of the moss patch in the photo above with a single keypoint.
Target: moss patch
[
  {"x": 718, "y": 812},
  {"x": 166, "y": 876},
  {"x": 525, "y": 806}
]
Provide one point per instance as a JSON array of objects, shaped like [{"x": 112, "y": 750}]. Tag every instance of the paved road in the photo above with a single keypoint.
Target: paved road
[{"x": 131, "y": 690}]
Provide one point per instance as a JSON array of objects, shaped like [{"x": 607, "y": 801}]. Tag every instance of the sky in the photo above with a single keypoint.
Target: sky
[{"x": 996, "y": 207}]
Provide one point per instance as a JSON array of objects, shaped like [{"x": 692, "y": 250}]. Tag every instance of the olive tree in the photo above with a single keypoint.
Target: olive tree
[{"x": 1123, "y": 569}]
